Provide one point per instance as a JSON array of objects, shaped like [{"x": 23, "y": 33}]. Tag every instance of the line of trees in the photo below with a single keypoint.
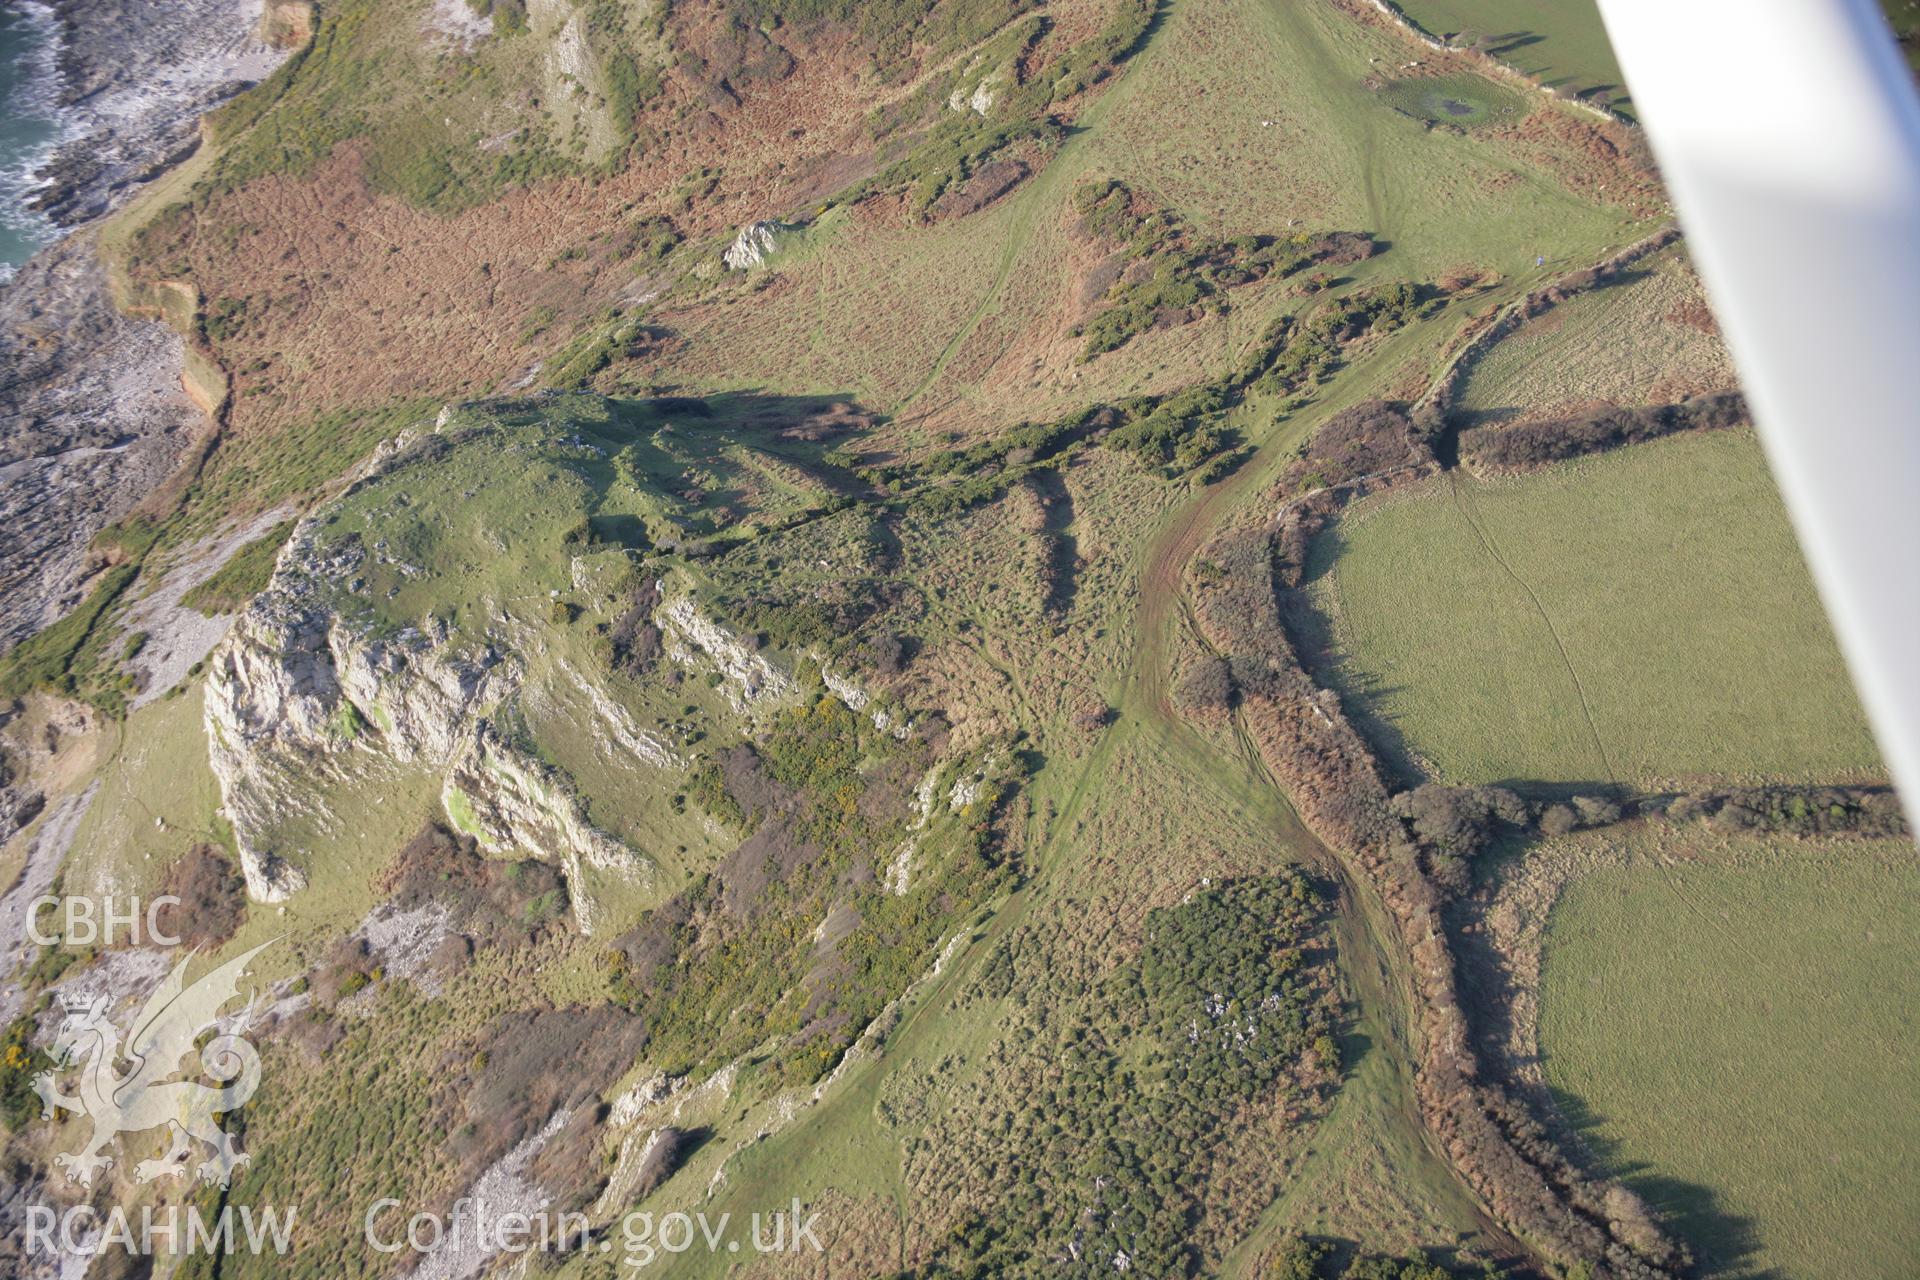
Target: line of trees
[
  {"x": 1533, "y": 444},
  {"x": 1337, "y": 783}
]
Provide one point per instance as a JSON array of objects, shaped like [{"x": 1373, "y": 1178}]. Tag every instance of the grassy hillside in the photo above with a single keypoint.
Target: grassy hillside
[
  {"x": 1728, "y": 1023},
  {"x": 1293, "y": 139},
  {"x": 1636, "y": 617},
  {"x": 838, "y": 612}
]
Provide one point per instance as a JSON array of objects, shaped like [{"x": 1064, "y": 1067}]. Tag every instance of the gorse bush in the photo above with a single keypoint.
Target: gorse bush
[
  {"x": 1187, "y": 275},
  {"x": 1223, "y": 1010}
]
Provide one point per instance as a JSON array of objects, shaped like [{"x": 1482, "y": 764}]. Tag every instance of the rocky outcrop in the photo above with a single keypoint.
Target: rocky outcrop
[
  {"x": 45, "y": 857},
  {"x": 509, "y": 801},
  {"x": 755, "y": 243},
  {"x": 296, "y": 688},
  {"x": 293, "y": 685},
  {"x": 980, "y": 100},
  {"x": 751, "y": 683},
  {"x": 857, "y": 699}
]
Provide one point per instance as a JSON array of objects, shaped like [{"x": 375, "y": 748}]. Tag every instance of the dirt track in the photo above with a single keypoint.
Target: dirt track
[{"x": 1373, "y": 963}]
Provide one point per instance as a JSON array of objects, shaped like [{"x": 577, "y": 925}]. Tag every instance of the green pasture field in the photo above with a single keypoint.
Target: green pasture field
[
  {"x": 1640, "y": 617},
  {"x": 1560, "y": 44},
  {"x": 1730, "y": 1025}
]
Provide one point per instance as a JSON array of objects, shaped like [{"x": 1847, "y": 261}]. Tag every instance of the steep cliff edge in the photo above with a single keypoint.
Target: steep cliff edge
[{"x": 454, "y": 618}]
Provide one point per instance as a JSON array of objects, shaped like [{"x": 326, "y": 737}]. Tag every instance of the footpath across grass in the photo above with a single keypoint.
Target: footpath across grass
[{"x": 1642, "y": 616}]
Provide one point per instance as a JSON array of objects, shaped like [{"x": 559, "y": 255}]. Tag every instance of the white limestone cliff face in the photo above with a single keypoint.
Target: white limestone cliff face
[
  {"x": 298, "y": 695},
  {"x": 294, "y": 687},
  {"x": 511, "y": 802},
  {"x": 751, "y": 683}
]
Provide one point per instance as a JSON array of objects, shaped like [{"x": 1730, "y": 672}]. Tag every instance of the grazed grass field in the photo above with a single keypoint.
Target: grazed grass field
[
  {"x": 1740, "y": 1019},
  {"x": 1641, "y": 616},
  {"x": 1647, "y": 339},
  {"x": 1562, "y": 44}
]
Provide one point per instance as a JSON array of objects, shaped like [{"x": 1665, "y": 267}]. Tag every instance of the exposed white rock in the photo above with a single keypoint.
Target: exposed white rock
[
  {"x": 752, "y": 246},
  {"x": 689, "y": 637},
  {"x": 885, "y": 723},
  {"x": 292, "y": 686},
  {"x": 717, "y": 1087},
  {"x": 403, "y": 941},
  {"x": 296, "y": 693},
  {"x": 507, "y": 1187},
  {"x": 857, "y": 699},
  {"x": 899, "y": 875},
  {"x": 455, "y": 24},
  {"x": 177, "y": 635},
  {"x": 900, "y": 870},
  {"x": 512, "y": 803},
  {"x": 783, "y": 1108},
  {"x": 569, "y": 58},
  {"x": 623, "y": 1185},
  {"x": 45, "y": 857},
  {"x": 632, "y": 1104},
  {"x": 120, "y": 976},
  {"x": 845, "y": 689},
  {"x": 981, "y": 100},
  {"x": 622, "y": 731},
  {"x": 966, "y": 791}
]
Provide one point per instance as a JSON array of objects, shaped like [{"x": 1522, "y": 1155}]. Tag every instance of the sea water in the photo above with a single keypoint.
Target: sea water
[{"x": 29, "y": 127}]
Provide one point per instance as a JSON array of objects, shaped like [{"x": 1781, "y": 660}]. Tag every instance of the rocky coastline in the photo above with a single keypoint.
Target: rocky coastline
[
  {"x": 92, "y": 413},
  {"x": 135, "y": 78},
  {"x": 92, "y": 419}
]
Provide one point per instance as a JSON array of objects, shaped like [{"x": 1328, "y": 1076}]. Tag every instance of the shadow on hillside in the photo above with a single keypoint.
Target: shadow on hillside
[
  {"x": 1726, "y": 1242},
  {"x": 1311, "y": 632},
  {"x": 1506, "y": 42},
  {"x": 1156, "y": 20},
  {"x": 803, "y": 429},
  {"x": 1060, "y": 564}
]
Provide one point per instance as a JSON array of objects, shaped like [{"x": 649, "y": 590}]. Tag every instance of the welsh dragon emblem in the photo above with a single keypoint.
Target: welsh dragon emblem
[{"x": 141, "y": 1097}]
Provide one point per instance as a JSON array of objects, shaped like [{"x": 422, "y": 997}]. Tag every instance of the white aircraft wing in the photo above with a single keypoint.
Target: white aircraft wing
[{"x": 1788, "y": 132}]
